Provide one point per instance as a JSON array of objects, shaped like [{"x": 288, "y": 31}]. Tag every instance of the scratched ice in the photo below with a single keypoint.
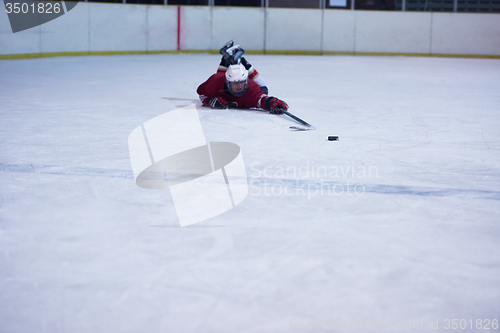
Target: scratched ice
[{"x": 395, "y": 223}]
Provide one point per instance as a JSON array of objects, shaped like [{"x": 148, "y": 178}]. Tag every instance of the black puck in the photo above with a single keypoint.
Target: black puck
[{"x": 333, "y": 138}]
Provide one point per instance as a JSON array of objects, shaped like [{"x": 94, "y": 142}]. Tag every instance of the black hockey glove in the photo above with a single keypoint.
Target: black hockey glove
[
  {"x": 218, "y": 103},
  {"x": 275, "y": 105}
]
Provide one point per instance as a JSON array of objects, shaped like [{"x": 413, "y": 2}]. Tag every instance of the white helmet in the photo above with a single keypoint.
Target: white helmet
[{"x": 237, "y": 79}]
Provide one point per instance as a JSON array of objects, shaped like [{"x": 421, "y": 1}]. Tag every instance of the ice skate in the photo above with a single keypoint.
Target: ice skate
[
  {"x": 226, "y": 46},
  {"x": 231, "y": 54},
  {"x": 236, "y": 52}
]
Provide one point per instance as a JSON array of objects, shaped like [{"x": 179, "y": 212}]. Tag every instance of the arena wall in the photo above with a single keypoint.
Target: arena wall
[{"x": 100, "y": 28}]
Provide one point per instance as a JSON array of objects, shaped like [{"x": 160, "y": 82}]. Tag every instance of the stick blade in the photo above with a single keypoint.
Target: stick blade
[{"x": 296, "y": 128}]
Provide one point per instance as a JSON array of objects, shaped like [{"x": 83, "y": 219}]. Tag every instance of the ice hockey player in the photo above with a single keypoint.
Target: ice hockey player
[{"x": 231, "y": 87}]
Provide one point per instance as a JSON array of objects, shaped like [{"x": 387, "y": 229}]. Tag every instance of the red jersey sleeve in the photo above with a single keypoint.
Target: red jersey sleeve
[{"x": 213, "y": 87}]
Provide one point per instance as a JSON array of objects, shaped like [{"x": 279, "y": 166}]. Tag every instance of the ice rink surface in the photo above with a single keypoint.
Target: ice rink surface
[{"x": 394, "y": 227}]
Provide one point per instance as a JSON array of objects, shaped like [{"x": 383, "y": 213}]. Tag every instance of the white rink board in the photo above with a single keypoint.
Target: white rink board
[
  {"x": 339, "y": 30},
  {"x": 244, "y": 25},
  {"x": 466, "y": 33},
  {"x": 117, "y": 28},
  {"x": 27, "y": 41},
  {"x": 293, "y": 29},
  {"x": 393, "y": 32},
  {"x": 162, "y": 28},
  {"x": 68, "y": 33},
  {"x": 196, "y": 28}
]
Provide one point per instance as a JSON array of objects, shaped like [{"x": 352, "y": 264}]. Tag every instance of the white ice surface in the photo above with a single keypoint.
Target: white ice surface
[{"x": 85, "y": 250}]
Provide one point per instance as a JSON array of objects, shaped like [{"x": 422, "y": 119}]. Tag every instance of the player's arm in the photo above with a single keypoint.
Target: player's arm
[
  {"x": 273, "y": 104},
  {"x": 208, "y": 96},
  {"x": 269, "y": 103}
]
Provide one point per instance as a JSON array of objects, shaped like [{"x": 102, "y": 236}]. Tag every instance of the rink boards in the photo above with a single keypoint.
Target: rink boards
[{"x": 97, "y": 28}]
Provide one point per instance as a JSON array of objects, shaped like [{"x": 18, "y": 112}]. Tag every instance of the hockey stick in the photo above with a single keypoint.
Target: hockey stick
[{"x": 295, "y": 128}]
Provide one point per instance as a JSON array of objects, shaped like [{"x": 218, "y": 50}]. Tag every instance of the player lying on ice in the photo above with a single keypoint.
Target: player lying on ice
[{"x": 231, "y": 87}]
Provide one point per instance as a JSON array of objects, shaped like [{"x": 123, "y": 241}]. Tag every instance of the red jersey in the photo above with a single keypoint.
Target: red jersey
[{"x": 216, "y": 86}]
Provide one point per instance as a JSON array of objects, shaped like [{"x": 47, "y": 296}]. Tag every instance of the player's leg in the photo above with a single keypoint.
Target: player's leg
[
  {"x": 233, "y": 54},
  {"x": 226, "y": 57},
  {"x": 254, "y": 75}
]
